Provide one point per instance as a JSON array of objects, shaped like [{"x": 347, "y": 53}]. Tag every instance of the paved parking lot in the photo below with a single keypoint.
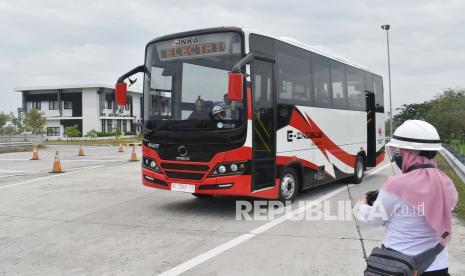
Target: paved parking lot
[{"x": 98, "y": 219}]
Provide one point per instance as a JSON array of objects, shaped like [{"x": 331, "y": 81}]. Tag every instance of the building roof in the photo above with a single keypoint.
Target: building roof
[{"x": 71, "y": 86}]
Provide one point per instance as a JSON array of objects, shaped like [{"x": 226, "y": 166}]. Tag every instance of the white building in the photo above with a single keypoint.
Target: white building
[{"x": 87, "y": 106}]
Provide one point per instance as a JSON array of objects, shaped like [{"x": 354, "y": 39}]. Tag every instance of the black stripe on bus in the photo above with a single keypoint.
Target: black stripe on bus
[{"x": 416, "y": 140}]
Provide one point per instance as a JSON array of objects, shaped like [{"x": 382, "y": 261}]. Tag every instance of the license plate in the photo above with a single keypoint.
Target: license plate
[{"x": 185, "y": 188}]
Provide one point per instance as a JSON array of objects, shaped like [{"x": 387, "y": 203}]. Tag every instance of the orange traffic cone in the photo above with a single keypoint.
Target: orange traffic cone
[
  {"x": 120, "y": 148},
  {"x": 57, "y": 164},
  {"x": 81, "y": 151},
  {"x": 133, "y": 154},
  {"x": 35, "y": 154}
]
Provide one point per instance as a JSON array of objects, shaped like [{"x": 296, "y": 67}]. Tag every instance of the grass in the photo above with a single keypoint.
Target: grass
[
  {"x": 459, "y": 185},
  {"x": 459, "y": 147},
  {"x": 94, "y": 142}
]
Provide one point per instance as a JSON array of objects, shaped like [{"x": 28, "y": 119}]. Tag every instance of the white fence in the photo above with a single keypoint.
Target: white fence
[{"x": 21, "y": 138}]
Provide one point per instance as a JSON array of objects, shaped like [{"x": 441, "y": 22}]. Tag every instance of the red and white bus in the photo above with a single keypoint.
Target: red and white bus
[{"x": 229, "y": 111}]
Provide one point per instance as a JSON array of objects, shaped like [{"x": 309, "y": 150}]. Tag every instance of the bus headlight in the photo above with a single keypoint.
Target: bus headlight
[
  {"x": 229, "y": 168},
  {"x": 221, "y": 169},
  {"x": 150, "y": 164}
]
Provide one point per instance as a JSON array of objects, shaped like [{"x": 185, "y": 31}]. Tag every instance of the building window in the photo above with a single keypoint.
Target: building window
[
  {"x": 36, "y": 105},
  {"x": 103, "y": 125},
  {"x": 109, "y": 126},
  {"x": 108, "y": 104},
  {"x": 68, "y": 105},
  {"x": 52, "y": 105},
  {"x": 125, "y": 126},
  {"x": 53, "y": 131}
]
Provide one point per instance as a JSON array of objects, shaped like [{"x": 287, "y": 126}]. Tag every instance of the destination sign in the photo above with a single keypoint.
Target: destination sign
[{"x": 201, "y": 49}]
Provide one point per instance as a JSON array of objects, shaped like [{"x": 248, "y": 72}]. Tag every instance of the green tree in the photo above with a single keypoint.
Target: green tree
[
  {"x": 3, "y": 119},
  {"x": 17, "y": 122},
  {"x": 9, "y": 130},
  {"x": 447, "y": 113},
  {"x": 118, "y": 133},
  {"x": 92, "y": 134},
  {"x": 34, "y": 121},
  {"x": 411, "y": 112},
  {"x": 72, "y": 131}
]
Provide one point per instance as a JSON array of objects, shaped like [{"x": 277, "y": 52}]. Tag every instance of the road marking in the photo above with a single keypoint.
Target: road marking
[
  {"x": 12, "y": 171},
  {"x": 10, "y": 175},
  {"x": 51, "y": 176},
  {"x": 189, "y": 264}
]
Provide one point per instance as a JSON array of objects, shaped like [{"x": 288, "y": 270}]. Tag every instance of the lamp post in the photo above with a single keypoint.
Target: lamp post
[{"x": 386, "y": 28}]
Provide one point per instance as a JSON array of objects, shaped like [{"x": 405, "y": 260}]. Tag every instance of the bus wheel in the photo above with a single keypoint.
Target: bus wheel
[
  {"x": 202, "y": 196},
  {"x": 359, "y": 170},
  {"x": 289, "y": 185}
]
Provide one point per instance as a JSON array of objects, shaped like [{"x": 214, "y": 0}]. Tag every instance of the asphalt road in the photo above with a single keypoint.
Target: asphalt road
[{"x": 98, "y": 219}]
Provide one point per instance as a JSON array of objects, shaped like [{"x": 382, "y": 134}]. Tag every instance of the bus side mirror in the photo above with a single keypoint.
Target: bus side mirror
[
  {"x": 235, "y": 86},
  {"x": 120, "y": 93}
]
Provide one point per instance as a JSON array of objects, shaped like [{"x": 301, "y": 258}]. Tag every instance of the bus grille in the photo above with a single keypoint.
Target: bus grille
[
  {"x": 184, "y": 167},
  {"x": 184, "y": 175}
]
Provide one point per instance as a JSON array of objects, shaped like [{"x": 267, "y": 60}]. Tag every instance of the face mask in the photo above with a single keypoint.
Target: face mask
[{"x": 398, "y": 160}]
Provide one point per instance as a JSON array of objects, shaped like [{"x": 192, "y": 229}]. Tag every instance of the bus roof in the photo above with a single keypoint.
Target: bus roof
[{"x": 317, "y": 49}]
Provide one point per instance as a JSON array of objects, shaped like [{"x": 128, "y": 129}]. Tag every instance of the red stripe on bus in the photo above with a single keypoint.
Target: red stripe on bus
[
  {"x": 321, "y": 140},
  {"x": 285, "y": 160}
]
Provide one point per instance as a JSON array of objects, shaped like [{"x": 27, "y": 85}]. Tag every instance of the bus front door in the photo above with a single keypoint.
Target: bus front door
[
  {"x": 263, "y": 125},
  {"x": 371, "y": 130}
]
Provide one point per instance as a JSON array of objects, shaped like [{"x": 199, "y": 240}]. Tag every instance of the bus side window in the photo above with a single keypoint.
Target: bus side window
[
  {"x": 294, "y": 80},
  {"x": 355, "y": 88},
  {"x": 369, "y": 82},
  {"x": 379, "y": 93},
  {"x": 321, "y": 80},
  {"x": 338, "y": 81}
]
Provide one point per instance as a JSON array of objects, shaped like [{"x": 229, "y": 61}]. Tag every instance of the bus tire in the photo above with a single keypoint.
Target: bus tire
[
  {"x": 202, "y": 196},
  {"x": 288, "y": 185},
  {"x": 359, "y": 170}
]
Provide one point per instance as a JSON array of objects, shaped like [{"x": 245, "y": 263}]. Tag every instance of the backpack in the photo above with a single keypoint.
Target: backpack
[{"x": 387, "y": 261}]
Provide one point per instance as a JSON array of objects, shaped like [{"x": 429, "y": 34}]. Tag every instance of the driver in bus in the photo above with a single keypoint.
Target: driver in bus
[
  {"x": 229, "y": 107},
  {"x": 200, "y": 113}
]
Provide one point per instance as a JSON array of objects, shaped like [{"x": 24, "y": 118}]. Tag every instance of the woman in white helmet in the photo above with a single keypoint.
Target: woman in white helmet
[{"x": 417, "y": 204}]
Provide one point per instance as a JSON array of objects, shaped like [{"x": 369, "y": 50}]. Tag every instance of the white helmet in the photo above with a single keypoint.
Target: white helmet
[
  {"x": 416, "y": 135},
  {"x": 217, "y": 109}
]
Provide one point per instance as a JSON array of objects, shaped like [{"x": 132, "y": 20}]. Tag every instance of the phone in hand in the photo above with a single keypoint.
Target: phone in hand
[{"x": 371, "y": 197}]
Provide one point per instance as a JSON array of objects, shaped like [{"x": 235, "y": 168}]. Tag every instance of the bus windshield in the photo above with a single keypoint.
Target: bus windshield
[{"x": 186, "y": 83}]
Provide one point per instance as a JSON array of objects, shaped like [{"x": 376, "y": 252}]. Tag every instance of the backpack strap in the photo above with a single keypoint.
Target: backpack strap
[{"x": 419, "y": 166}]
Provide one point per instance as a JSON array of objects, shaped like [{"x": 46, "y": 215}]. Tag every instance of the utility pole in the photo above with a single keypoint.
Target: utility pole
[{"x": 386, "y": 28}]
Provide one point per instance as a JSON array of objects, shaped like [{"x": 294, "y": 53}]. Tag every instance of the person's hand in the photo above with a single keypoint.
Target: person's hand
[{"x": 364, "y": 200}]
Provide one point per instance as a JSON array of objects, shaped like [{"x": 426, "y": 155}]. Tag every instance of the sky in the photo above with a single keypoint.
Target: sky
[{"x": 56, "y": 42}]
